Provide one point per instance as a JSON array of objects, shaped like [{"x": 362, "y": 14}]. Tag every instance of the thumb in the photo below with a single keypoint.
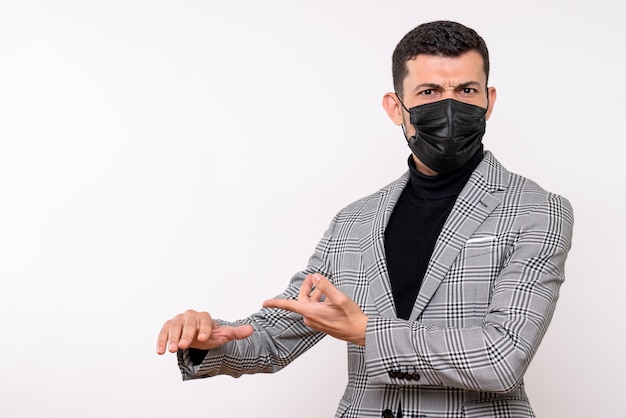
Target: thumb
[{"x": 241, "y": 332}]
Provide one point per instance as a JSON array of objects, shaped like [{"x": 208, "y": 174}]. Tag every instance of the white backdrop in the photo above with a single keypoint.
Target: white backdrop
[{"x": 163, "y": 155}]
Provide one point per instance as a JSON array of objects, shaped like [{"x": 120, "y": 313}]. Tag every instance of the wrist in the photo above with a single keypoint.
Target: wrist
[{"x": 362, "y": 327}]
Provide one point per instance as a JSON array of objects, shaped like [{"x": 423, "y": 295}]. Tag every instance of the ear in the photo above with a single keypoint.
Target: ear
[
  {"x": 491, "y": 95},
  {"x": 394, "y": 109}
]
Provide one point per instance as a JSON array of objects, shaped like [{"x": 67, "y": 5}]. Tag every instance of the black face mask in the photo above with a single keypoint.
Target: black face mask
[{"x": 448, "y": 133}]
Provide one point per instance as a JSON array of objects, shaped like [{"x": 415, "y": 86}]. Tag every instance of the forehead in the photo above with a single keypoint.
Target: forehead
[{"x": 436, "y": 69}]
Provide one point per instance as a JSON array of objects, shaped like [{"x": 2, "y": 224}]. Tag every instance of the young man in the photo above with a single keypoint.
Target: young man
[{"x": 443, "y": 283}]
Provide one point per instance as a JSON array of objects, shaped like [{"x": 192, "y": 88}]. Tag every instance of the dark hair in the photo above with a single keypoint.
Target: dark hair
[{"x": 442, "y": 37}]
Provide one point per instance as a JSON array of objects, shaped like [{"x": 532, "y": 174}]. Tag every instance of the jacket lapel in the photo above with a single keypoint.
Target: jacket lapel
[
  {"x": 375, "y": 217},
  {"x": 474, "y": 204}
]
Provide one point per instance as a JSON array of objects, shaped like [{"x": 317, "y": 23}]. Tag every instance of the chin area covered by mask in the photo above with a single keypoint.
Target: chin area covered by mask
[{"x": 447, "y": 133}]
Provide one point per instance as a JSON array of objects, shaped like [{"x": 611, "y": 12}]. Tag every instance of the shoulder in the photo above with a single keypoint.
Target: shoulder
[
  {"x": 502, "y": 181},
  {"x": 517, "y": 191},
  {"x": 380, "y": 199}
]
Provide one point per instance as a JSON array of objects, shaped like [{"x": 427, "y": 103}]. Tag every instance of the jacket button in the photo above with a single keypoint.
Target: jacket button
[
  {"x": 387, "y": 413},
  {"x": 415, "y": 376}
]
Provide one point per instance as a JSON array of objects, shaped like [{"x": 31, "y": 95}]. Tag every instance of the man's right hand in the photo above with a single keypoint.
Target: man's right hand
[{"x": 193, "y": 329}]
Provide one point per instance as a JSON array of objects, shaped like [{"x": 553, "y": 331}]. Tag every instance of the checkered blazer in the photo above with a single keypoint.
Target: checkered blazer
[{"x": 485, "y": 303}]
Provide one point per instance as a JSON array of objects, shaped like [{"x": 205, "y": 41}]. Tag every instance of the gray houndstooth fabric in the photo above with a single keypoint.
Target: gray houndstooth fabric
[{"x": 485, "y": 304}]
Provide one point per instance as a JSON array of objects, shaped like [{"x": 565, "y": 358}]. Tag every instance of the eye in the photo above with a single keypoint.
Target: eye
[
  {"x": 468, "y": 91},
  {"x": 427, "y": 92}
]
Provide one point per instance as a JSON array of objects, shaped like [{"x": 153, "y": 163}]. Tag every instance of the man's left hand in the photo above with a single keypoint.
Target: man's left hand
[{"x": 326, "y": 309}]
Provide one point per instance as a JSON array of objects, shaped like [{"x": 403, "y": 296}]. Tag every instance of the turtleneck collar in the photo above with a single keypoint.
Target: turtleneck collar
[{"x": 442, "y": 185}]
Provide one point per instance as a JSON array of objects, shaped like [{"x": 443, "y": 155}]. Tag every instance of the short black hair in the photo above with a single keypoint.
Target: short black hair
[{"x": 441, "y": 37}]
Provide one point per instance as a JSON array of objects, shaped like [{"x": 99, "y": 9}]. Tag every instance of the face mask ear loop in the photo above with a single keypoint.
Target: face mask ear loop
[
  {"x": 401, "y": 102},
  {"x": 404, "y": 132},
  {"x": 403, "y": 128},
  {"x": 487, "y": 91}
]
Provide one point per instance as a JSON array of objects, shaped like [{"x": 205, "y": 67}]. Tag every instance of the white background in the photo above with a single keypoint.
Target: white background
[{"x": 163, "y": 155}]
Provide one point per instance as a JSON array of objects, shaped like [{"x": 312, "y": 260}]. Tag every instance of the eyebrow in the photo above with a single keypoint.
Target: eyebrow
[{"x": 439, "y": 86}]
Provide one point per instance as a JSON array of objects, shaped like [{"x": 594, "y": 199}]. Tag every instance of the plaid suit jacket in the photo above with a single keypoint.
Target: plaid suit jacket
[{"x": 485, "y": 303}]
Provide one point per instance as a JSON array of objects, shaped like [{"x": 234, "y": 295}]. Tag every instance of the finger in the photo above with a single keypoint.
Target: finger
[
  {"x": 162, "y": 338},
  {"x": 206, "y": 324},
  {"x": 315, "y": 294},
  {"x": 286, "y": 304},
  {"x": 170, "y": 334},
  {"x": 243, "y": 331},
  {"x": 323, "y": 286},
  {"x": 191, "y": 323},
  {"x": 174, "y": 331},
  {"x": 236, "y": 333},
  {"x": 305, "y": 289}
]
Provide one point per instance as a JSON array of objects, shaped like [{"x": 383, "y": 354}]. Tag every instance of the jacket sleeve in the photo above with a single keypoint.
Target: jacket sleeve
[
  {"x": 492, "y": 356},
  {"x": 279, "y": 336}
]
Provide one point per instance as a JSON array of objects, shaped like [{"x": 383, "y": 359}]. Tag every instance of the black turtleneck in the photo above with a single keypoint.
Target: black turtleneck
[{"x": 415, "y": 224}]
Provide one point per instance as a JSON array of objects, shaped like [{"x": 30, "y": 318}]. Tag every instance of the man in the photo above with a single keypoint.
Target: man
[{"x": 443, "y": 283}]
